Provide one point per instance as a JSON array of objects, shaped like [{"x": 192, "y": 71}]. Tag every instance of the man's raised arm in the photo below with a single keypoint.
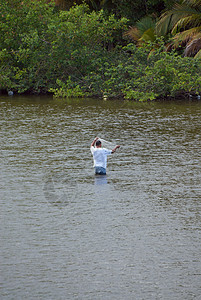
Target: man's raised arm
[{"x": 93, "y": 143}]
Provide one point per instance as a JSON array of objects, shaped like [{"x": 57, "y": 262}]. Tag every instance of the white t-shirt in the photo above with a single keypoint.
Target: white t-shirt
[{"x": 100, "y": 156}]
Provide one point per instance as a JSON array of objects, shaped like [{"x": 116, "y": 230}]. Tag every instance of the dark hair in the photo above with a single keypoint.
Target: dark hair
[{"x": 98, "y": 143}]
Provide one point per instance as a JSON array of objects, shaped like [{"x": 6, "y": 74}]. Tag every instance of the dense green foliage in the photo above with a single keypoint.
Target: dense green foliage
[
  {"x": 39, "y": 45},
  {"x": 80, "y": 52},
  {"x": 130, "y": 9},
  {"x": 129, "y": 74}
]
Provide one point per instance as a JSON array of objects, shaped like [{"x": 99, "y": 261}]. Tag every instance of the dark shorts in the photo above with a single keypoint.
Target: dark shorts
[{"x": 100, "y": 171}]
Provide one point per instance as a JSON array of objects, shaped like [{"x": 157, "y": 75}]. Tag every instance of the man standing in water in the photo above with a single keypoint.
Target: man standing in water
[{"x": 100, "y": 156}]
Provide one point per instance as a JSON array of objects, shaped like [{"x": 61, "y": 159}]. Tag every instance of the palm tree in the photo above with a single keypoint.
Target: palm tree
[
  {"x": 143, "y": 31},
  {"x": 183, "y": 21}
]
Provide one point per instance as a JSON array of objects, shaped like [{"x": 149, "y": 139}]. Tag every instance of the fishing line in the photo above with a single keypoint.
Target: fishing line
[{"x": 107, "y": 144}]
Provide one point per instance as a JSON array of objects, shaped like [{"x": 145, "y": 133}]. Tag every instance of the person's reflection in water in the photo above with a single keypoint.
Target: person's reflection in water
[{"x": 100, "y": 179}]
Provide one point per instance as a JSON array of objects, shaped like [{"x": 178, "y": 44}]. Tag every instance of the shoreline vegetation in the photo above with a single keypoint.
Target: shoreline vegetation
[{"x": 86, "y": 52}]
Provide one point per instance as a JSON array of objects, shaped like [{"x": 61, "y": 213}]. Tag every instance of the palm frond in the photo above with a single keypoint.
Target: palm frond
[
  {"x": 144, "y": 30},
  {"x": 148, "y": 35},
  {"x": 193, "y": 47},
  {"x": 198, "y": 55},
  {"x": 185, "y": 36},
  {"x": 170, "y": 18},
  {"x": 187, "y": 22},
  {"x": 192, "y": 3},
  {"x": 165, "y": 23},
  {"x": 132, "y": 33},
  {"x": 144, "y": 24}
]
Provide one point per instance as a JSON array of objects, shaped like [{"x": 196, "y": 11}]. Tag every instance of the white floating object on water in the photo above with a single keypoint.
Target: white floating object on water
[
  {"x": 10, "y": 93},
  {"x": 198, "y": 96}
]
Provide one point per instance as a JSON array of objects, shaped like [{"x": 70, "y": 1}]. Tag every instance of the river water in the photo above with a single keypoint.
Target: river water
[{"x": 68, "y": 234}]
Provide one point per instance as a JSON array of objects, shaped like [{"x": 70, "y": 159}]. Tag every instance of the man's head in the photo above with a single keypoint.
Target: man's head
[{"x": 98, "y": 144}]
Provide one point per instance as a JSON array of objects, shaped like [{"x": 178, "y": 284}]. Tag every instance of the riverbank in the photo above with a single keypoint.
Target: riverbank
[
  {"x": 127, "y": 73},
  {"x": 179, "y": 98},
  {"x": 78, "y": 53}
]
